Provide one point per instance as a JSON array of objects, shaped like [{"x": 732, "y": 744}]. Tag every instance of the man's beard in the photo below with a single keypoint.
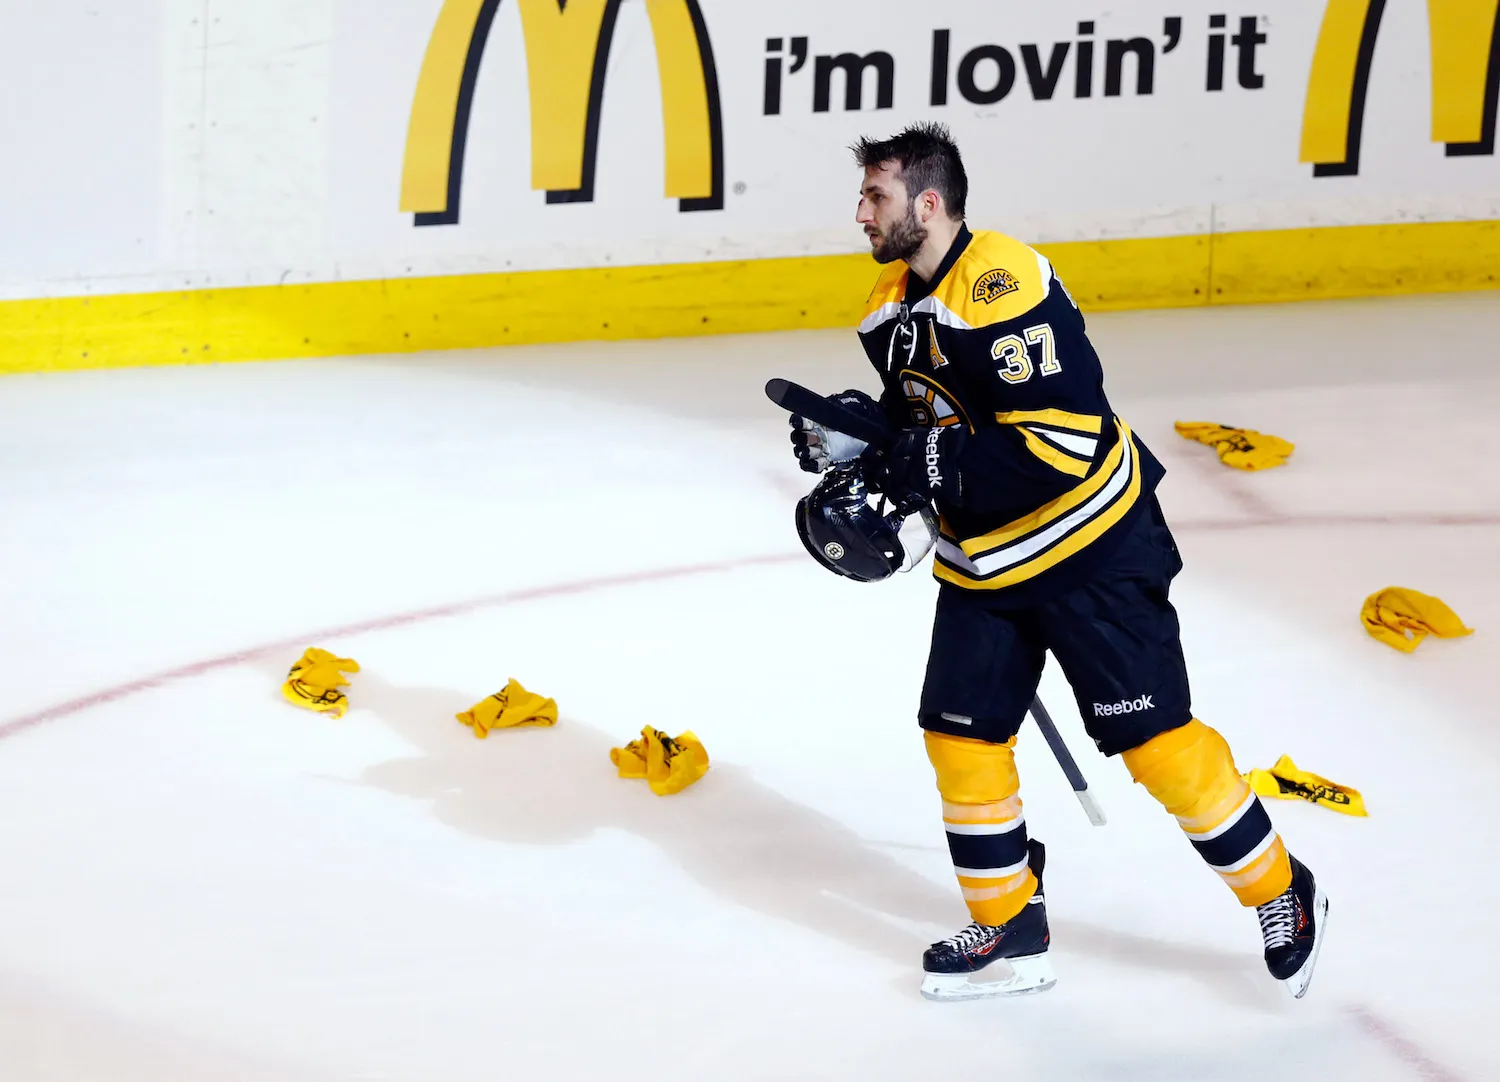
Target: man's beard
[{"x": 903, "y": 240}]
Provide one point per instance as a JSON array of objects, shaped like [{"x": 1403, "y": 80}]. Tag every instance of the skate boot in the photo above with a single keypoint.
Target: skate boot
[
  {"x": 1292, "y": 925},
  {"x": 959, "y": 967}
]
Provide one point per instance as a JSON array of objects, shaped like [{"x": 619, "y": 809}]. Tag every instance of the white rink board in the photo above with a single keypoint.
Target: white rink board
[{"x": 180, "y": 144}]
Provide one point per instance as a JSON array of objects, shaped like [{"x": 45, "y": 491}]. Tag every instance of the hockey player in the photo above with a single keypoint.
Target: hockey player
[{"x": 1050, "y": 538}]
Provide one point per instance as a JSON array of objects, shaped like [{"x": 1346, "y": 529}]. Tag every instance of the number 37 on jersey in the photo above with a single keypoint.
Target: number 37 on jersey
[{"x": 1017, "y": 361}]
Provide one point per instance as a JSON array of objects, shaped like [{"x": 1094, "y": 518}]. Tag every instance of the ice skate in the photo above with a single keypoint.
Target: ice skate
[
  {"x": 985, "y": 960},
  {"x": 1292, "y": 925}
]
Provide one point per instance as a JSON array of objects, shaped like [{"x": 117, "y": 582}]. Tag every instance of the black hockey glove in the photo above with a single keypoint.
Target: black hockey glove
[
  {"x": 818, "y": 447},
  {"x": 923, "y": 461}
]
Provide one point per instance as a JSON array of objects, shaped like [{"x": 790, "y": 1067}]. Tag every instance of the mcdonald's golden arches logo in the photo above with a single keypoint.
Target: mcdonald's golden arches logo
[
  {"x": 567, "y": 50},
  {"x": 1465, "y": 40}
]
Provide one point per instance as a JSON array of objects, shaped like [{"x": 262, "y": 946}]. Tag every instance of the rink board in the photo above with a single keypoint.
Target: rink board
[
  {"x": 293, "y": 178},
  {"x": 472, "y": 311}
]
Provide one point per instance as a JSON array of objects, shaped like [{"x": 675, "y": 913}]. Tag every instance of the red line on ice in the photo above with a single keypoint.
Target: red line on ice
[
  {"x": 583, "y": 586},
  {"x": 1426, "y": 1068},
  {"x": 384, "y": 623},
  {"x": 1335, "y": 521}
]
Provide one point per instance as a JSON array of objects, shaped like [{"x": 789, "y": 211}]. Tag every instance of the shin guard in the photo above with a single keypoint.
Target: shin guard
[
  {"x": 1191, "y": 772},
  {"x": 986, "y": 829}
]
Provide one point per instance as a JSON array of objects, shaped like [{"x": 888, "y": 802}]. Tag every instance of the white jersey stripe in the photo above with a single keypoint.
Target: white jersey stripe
[
  {"x": 992, "y": 873},
  {"x": 941, "y": 313},
  {"x": 956, "y": 556},
  {"x": 1082, "y": 446},
  {"x": 888, "y": 311},
  {"x": 1045, "y": 266}
]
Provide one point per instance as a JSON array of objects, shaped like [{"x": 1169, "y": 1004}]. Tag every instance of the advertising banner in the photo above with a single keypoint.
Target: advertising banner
[{"x": 172, "y": 147}]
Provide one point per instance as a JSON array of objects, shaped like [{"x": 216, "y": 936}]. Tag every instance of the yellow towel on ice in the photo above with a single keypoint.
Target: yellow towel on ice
[
  {"x": 1403, "y": 618},
  {"x": 1285, "y": 781},
  {"x": 1242, "y": 448},
  {"x": 508, "y": 709},
  {"x": 315, "y": 679},
  {"x": 669, "y": 764}
]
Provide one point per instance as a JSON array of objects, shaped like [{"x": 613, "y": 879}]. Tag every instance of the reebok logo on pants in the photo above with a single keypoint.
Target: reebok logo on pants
[{"x": 1129, "y": 706}]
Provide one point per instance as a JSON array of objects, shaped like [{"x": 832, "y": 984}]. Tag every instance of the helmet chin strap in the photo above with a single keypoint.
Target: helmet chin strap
[{"x": 918, "y": 534}]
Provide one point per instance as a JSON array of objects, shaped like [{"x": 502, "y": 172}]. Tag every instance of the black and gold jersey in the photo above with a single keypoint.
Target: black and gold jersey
[{"x": 995, "y": 345}]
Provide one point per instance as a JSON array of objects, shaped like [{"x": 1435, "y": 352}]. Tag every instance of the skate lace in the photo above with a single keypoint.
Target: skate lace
[
  {"x": 971, "y": 937},
  {"x": 1278, "y": 920}
]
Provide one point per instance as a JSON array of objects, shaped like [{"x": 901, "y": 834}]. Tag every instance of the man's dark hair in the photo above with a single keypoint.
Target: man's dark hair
[{"x": 928, "y": 158}]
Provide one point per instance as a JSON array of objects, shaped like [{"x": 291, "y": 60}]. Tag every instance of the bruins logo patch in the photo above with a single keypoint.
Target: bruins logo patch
[{"x": 994, "y": 284}]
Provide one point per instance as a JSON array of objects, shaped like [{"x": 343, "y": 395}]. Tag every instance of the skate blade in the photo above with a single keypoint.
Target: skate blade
[
  {"x": 1029, "y": 974},
  {"x": 1297, "y": 983}
]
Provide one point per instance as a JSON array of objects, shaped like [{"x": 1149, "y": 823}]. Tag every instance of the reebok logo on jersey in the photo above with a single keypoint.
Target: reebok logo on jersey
[
  {"x": 1129, "y": 706},
  {"x": 934, "y": 458}
]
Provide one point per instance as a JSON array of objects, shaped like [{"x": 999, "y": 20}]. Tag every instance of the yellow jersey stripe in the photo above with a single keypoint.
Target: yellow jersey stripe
[
  {"x": 1089, "y": 423},
  {"x": 889, "y": 288},
  {"x": 1049, "y": 513}
]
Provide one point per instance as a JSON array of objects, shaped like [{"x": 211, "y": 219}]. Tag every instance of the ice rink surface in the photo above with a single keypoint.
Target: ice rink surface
[{"x": 202, "y": 883}]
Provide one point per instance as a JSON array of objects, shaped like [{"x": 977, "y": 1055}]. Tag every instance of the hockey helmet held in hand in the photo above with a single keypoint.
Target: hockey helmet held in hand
[{"x": 845, "y": 533}]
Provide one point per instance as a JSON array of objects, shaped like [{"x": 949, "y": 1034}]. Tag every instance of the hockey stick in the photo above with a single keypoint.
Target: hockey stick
[{"x": 1075, "y": 777}]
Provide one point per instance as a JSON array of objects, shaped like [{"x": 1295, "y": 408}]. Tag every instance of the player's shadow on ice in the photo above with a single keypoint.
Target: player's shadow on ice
[
  {"x": 744, "y": 841},
  {"x": 1238, "y": 979},
  {"x": 740, "y": 839}
]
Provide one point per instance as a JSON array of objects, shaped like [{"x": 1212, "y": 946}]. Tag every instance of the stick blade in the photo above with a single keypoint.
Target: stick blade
[
  {"x": 795, "y": 398},
  {"x": 777, "y": 391},
  {"x": 1091, "y": 807}
]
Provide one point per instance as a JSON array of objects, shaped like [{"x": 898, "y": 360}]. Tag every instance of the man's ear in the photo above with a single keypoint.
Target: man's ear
[{"x": 930, "y": 205}]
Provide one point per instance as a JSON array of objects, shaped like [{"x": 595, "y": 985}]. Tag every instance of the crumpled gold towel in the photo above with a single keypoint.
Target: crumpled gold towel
[
  {"x": 669, "y": 764},
  {"x": 1286, "y": 781},
  {"x": 506, "y": 709},
  {"x": 314, "y": 681},
  {"x": 1242, "y": 448},
  {"x": 1402, "y": 618}
]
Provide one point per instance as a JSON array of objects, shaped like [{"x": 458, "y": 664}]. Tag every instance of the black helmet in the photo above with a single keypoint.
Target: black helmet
[{"x": 849, "y": 536}]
